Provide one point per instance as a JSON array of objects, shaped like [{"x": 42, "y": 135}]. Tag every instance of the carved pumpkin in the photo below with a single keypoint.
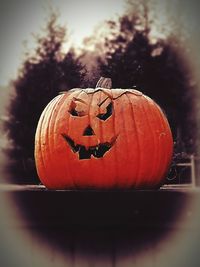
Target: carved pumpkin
[{"x": 102, "y": 138}]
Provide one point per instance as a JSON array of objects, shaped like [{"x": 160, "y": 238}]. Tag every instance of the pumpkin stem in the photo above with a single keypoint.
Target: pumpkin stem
[{"x": 104, "y": 83}]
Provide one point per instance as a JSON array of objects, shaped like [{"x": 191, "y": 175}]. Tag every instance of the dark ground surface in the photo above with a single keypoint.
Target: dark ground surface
[{"x": 103, "y": 222}]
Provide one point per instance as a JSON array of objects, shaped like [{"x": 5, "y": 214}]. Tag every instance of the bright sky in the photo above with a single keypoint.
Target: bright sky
[{"x": 18, "y": 19}]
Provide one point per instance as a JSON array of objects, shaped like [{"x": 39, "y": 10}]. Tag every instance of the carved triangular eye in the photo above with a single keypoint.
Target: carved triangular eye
[
  {"x": 108, "y": 113},
  {"x": 72, "y": 110}
]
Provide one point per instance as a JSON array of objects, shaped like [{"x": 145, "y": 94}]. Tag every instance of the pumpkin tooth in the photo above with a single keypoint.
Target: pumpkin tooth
[
  {"x": 78, "y": 148},
  {"x": 84, "y": 153},
  {"x": 94, "y": 152}
]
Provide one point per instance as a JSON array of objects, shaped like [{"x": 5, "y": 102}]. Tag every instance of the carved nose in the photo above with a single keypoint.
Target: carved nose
[{"x": 88, "y": 131}]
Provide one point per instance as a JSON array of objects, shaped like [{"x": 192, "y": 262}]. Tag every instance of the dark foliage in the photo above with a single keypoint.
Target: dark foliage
[
  {"x": 158, "y": 70},
  {"x": 127, "y": 56},
  {"x": 40, "y": 79}
]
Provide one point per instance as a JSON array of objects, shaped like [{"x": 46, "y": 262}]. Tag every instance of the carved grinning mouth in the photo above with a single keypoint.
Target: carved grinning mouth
[{"x": 97, "y": 151}]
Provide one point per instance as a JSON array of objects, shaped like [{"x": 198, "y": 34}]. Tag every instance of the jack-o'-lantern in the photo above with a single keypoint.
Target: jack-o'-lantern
[{"x": 102, "y": 138}]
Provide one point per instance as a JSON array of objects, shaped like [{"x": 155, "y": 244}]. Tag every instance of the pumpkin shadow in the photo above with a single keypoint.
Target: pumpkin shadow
[{"x": 101, "y": 223}]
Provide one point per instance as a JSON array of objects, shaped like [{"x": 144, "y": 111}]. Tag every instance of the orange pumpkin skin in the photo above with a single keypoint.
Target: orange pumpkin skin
[{"x": 102, "y": 139}]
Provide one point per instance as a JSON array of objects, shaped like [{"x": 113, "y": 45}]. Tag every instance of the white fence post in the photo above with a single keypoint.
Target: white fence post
[
  {"x": 193, "y": 177},
  {"x": 190, "y": 164}
]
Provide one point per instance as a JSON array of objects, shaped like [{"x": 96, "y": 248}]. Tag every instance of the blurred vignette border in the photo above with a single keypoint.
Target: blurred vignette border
[{"x": 167, "y": 61}]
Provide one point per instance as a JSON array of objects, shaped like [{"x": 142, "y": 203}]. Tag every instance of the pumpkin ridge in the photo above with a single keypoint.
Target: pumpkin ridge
[
  {"x": 87, "y": 145},
  {"x": 55, "y": 124},
  {"x": 50, "y": 128},
  {"x": 166, "y": 128},
  {"x": 73, "y": 179},
  {"x": 160, "y": 117},
  {"x": 45, "y": 125},
  {"x": 89, "y": 121},
  {"x": 147, "y": 109},
  {"x": 161, "y": 169},
  {"x": 102, "y": 131},
  {"x": 56, "y": 110},
  {"x": 126, "y": 135},
  {"x": 138, "y": 141},
  {"x": 115, "y": 147},
  {"x": 40, "y": 128},
  {"x": 100, "y": 128},
  {"x": 38, "y": 137}
]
